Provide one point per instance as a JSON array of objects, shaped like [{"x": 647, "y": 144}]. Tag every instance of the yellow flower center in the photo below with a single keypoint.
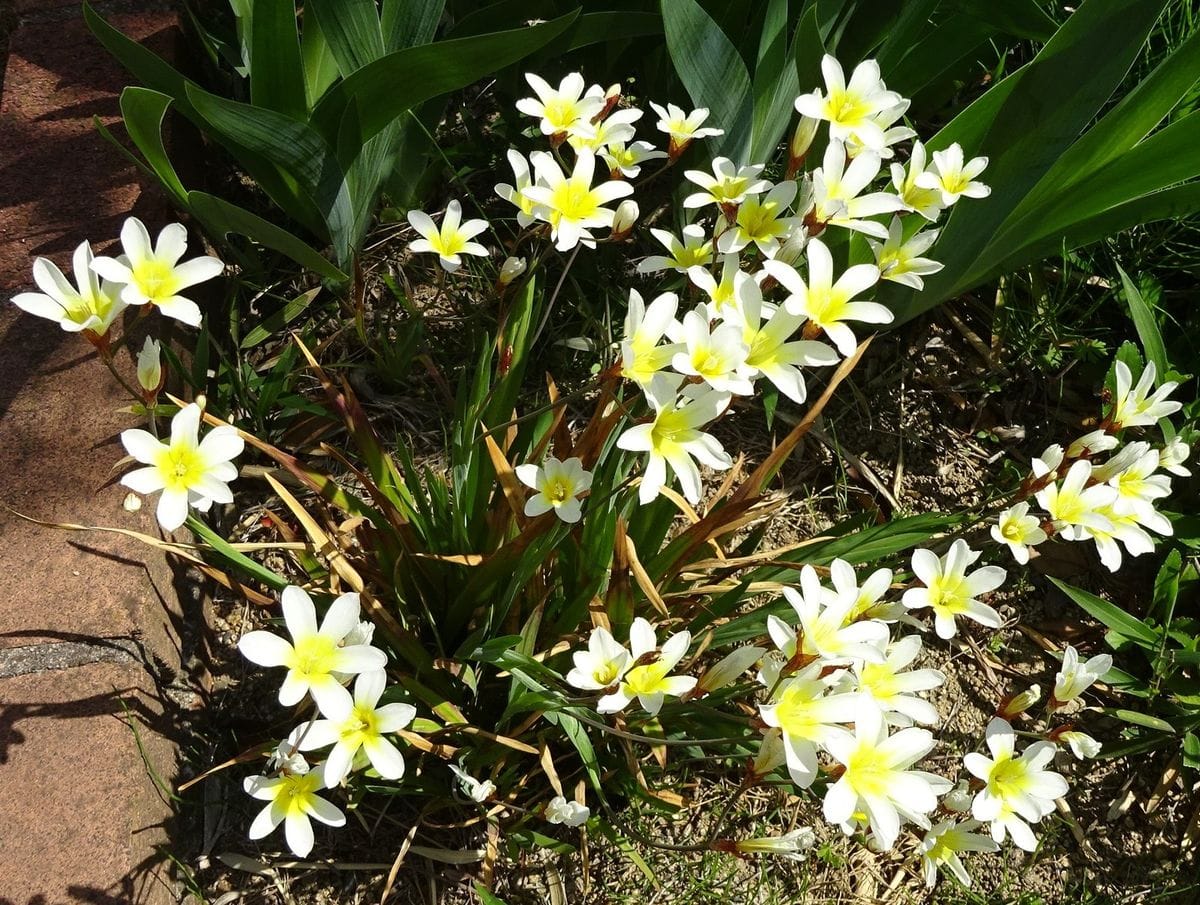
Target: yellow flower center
[
  {"x": 845, "y": 108},
  {"x": 605, "y": 674},
  {"x": 561, "y": 113},
  {"x": 760, "y": 220},
  {"x": 574, "y": 200},
  {"x": 447, "y": 243},
  {"x": 795, "y": 713},
  {"x": 313, "y": 656},
  {"x": 867, "y": 773},
  {"x": 362, "y": 725},
  {"x": 1008, "y": 777},
  {"x": 667, "y": 433},
  {"x": 709, "y": 363},
  {"x": 558, "y": 491},
  {"x": 1011, "y": 532},
  {"x": 155, "y": 279},
  {"x": 879, "y": 679},
  {"x": 826, "y": 306},
  {"x": 646, "y": 679},
  {"x": 947, "y": 595},
  {"x": 180, "y": 467},
  {"x": 692, "y": 255},
  {"x": 297, "y": 791},
  {"x": 727, "y": 189},
  {"x": 955, "y": 183}
]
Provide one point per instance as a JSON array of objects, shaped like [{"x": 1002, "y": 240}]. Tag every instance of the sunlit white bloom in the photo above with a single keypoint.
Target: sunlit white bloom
[
  {"x": 837, "y": 189},
  {"x": 791, "y": 845},
  {"x": 616, "y": 128},
  {"x": 954, "y": 178},
  {"x": 942, "y": 844},
  {"x": 1018, "y": 530},
  {"x": 695, "y": 250},
  {"x": 889, "y": 688},
  {"x": 560, "y": 109},
  {"x": 866, "y": 599},
  {"x": 716, "y": 355},
  {"x": 877, "y": 780},
  {"x": 293, "y": 801},
  {"x": 567, "y": 813},
  {"x": 570, "y": 204},
  {"x": 624, "y": 218},
  {"x": 770, "y": 755},
  {"x": 1093, "y": 442},
  {"x": 1017, "y": 704},
  {"x": 1047, "y": 464},
  {"x": 314, "y": 654},
  {"x": 823, "y": 629},
  {"x": 892, "y": 133},
  {"x": 645, "y": 325},
  {"x": 511, "y": 269},
  {"x": 355, "y": 724},
  {"x": 850, "y": 109},
  {"x": 1075, "y": 507},
  {"x": 627, "y": 159},
  {"x": 602, "y": 664},
  {"x": 650, "y": 682},
  {"x": 926, "y": 202},
  {"x": 515, "y": 194},
  {"x": 189, "y": 471},
  {"x": 725, "y": 296},
  {"x": 1082, "y": 745},
  {"x": 793, "y": 246},
  {"x": 683, "y": 127},
  {"x": 286, "y": 759},
  {"x": 90, "y": 305},
  {"x": 1074, "y": 678},
  {"x": 1017, "y": 790},
  {"x": 810, "y": 717},
  {"x": 449, "y": 242},
  {"x": 1172, "y": 456},
  {"x": 762, "y": 221},
  {"x": 477, "y": 791},
  {"x": 729, "y": 669},
  {"x": 1136, "y": 405},
  {"x": 727, "y": 185},
  {"x": 153, "y": 275},
  {"x": 149, "y": 367},
  {"x": 772, "y": 352},
  {"x": 1131, "y": 472},
  {"x": 558, "y": 485},
  {"x": 829, "y": 305},
  {"x": 900, "y": 261},
  {"x": 950, "y": 591},
  {"x": 1126, "y": 529}
]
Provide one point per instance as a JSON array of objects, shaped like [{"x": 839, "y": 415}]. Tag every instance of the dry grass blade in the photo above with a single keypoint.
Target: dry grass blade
[
  {"x": 507, "y": 477},
  {"x": 643, "y": 580},
  {"x": 255, "y": 753},
  {"x": 396, "y": 864}
]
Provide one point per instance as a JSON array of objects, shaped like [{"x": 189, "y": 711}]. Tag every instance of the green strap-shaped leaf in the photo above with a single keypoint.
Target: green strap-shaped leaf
[
  {"x": 320, "y": 68},
  {"x": 714, "y": 75},
  {"x": 1111, "y": 615},
  {"x": 1147, "y": 327},
  {"x": 276, "y": 71},
  {"x": 776, "y": 83},
  {"x": 352, "y": 29},
  {"x": 143, "y": 110},
  {"x": 409, "y": 23}
]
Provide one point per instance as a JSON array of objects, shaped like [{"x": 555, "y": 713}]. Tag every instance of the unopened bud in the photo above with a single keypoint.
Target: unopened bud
[
  {"x": 1016, "y": 704},
  {"x": 802, "y": 139},
  {"x": 623, "y": 219},
  {"x": 149, "y": 369},
  {"x": 728, "y": 670},
  {"x": 511, "y": 269},
  {"x": 611, "y": 98},
  {"x": 771, "y": 754}
]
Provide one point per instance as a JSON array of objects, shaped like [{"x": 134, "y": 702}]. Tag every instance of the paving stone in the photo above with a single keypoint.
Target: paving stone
[{"x": 79, "y": 814}]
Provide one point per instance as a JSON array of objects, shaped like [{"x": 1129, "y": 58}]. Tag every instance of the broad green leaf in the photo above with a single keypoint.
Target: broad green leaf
[
  {"x": 1145, "y": 720},
  {"x": 224, "y": 218},
  {"x": 239, "y": 560},
  {"x": 320, "y": 68},
  {"x": 276, "y": 72},
  {"x": 352, "y": 29},
  {"x": 280, "y": 319},
  {"x": 486, "y": 898},
  {"x": 1110, "y": 615},
  {"x": 143, "y": 110},
  {"x": 1145, "y": 323},
  {"x": 1166, "y": 589},
  {"x": 410, "y": 23},
  {"x": 775, "y": 83},
  {"x": 713, "y": 73},
  {"x": 1019, "y": 18}
]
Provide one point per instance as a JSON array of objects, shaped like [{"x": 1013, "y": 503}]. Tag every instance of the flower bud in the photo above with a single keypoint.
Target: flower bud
[
  {"x": 149, "y": 368},
  {"x": 790, "y": 845},
  {"x": 1016, "y": 704},
  {"x": 623, "y": 219},
  {"x": 959, "y": 798},
  {"x": 1082, "y": 745},
  {"x": 731, "y": 666},
  {"x": 771, "y": 754},
  {"x": 511, "y": 269},
  {"x": 802, "y": 139}
]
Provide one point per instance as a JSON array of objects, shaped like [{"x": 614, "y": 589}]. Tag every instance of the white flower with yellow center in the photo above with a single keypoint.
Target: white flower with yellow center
[
  {"x": 515, "y": 194},
  {"x": 850, "y": 108},
  {"x": 829, "y": 305},
  {"x": 570, "y": 204},
  {"x": 1125, "y": 528},
  {"x": 683, "y": 127},
  {"x": 674, "y": 436},
  {"x": 900, "y": 260},
  {"x": 1074, "y": 677},
  {"x": 152, "y": 275},
  {"x": 559, "y": 110},
  {"x": 294, "y": 802},
  {"x": 926, "y": 202},
  {"x": 1018, "y": 530},
  {"x": 314, "y": 655},
  {"x": 866, "y": 600},
  {"x": 695, "y": 250},
  {"x": 650, "y": 682},
  {"x": 724, "y": 296},
  {"x": 954, "y": 178},
  {"x": 877, "y": 780},
  {"x": 1131, "y": 472},
  {"x": 602, "y": 664},
  {"x": 1137, "y": 406},
  {"x": 1016, "y": 789},
  {"x": 837, "y": 192},
  {"x": 558, "y": 485},
  {"x": 626, "y": 159},
  {"x": 1091, "y": 443},
  {"x": 945, "y": 841},
  {"x": 188, "y": 471},
  {"x": 1172, "y": 456},
  {"x": 763, "y": 221},
  {"x": 892, "y": 691},
  {"x": 950, "y": 591},
  {"x": 717, "y": 356},
  {"x": 809, "y": 716},
  {"x": 616, "y": 128},
  {"x": 355, "y": 724},
  {"x": 772, "y": 352},
  {"x": 1074, "y": 507},
  {"x": 89, "y": 306},
  {"x": 728, "y": 184},
  {"x": 892, "y": 134},
  {"x": 451, "y": 241},
  {"x": 645, "y": 325},
  {"x": 823, "y": 630}
]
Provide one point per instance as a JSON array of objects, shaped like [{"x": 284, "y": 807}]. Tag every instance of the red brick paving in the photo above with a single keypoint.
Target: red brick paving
[{"x": 79, "y": 815}]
